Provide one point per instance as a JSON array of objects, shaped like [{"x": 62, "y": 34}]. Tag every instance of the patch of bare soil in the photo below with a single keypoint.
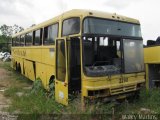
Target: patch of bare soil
[
  {"x": 4, "y": 102},
  {"x": 2, "y": 73},
  {"x": 4, "y": 83}
]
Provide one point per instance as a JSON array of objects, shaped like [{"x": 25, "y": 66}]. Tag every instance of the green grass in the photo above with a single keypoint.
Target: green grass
[
  {"x": 17, "y": 79},
  {"x": 150, "y": 99},
  {"x": 33, "y": 100},
  {"x": 37, "y": 101},
  {"x": 5, "y": 65}
]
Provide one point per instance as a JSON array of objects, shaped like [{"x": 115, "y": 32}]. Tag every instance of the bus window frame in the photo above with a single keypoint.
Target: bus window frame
[
  {"x": 32, "y": 38},
  {"x": 17, "y": 41},
  {"x": 73, "y": 33},
  {"x": 121, "y": 47},
  {"x": 41, "y": 37},
  {"x": 108, "y": 34},
  {"x": 13, "y": 41},
  {"x": 56, "y": 61},
  {"x": 43, "y": 34},
  {"x": 23, "y": 35}
]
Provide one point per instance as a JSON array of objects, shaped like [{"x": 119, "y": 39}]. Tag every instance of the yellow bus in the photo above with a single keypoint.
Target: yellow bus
[
  {"x": 152, "y": 63},
  {"x": 96, "y": 54}
]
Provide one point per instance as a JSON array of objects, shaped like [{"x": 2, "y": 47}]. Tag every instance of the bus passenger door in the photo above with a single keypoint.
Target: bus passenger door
[{"x": 61, "y": 81}]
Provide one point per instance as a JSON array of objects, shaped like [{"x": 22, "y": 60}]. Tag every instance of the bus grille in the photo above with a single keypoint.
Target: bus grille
[{"x": 123, "y": 89}]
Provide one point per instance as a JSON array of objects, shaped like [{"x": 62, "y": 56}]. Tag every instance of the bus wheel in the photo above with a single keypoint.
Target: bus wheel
[{"x": 52, "y": 87}]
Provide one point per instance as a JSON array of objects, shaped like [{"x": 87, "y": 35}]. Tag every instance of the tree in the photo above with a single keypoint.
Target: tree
[
  {"x": 8, "y": 31},
  {"x": 17, "y": 29}
]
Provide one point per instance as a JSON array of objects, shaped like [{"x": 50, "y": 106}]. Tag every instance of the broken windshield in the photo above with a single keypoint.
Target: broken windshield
[{"x": 102, "y": 55}]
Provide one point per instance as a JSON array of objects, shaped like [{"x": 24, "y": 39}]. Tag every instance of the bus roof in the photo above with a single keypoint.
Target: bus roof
[{"x": 79, "y": 12}]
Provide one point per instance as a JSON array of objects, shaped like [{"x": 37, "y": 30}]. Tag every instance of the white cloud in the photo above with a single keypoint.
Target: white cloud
[
  {"x": 147, "y": 12},
  {"x": 15, "y": 12},
  {"x": 120, "y": 4},
  {"x": 27, "y": 12}
]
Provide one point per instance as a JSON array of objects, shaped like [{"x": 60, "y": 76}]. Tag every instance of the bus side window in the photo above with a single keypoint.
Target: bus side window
[
  {"x": 13, "y": 41},
  {"x": 50, "y": 33},
  {"x": 71, "y": 26},
  {"x": 37, "y": 37},
  {"x": 61, "y": 60},
  {"x": 17, "y": 41},
  {"x": 22, "y": 42},
  {"x": 28, "y": 39}
]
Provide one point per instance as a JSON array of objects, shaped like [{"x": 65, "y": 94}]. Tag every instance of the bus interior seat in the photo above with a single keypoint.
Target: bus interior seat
[
  {"x": 89, "y": 53},
  {"x": 107, "y": 53}
]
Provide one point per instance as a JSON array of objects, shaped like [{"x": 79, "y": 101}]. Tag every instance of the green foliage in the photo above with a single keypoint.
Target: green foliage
[
  {"x": 37, "y": 102},
  {"x": 34, "y": 101},
  {"x": 5, "y": 43},
  {"x": 10, "y": 30},
  {"x": 51, "y": 89},
  {"x": 11, "y": 92},
  {"x": 5, "y": 38},
  {"x": 150, "y": 99},
  {"x": 6, "y": 65},
  {"x": 37, "y": 87}
]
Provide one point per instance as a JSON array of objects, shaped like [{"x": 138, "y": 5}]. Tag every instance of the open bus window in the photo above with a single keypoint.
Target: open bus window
[{"x": 102, "y": 56}]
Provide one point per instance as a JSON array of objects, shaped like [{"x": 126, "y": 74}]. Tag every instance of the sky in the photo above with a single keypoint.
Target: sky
[{"x": 28, "y": 12}]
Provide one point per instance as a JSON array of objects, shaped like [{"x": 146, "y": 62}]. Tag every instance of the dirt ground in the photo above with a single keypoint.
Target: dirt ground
[
  {"x": 4, "y": 84},
  {"x": 5, "y": 80}
]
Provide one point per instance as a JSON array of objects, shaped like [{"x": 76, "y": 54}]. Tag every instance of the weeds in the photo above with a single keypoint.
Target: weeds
[
  {"x": 6, "y": 65},
  {"x": 150, "y": 99},
  {"x": 34, "y": 101},
  {"x": 37, "y": 101}
]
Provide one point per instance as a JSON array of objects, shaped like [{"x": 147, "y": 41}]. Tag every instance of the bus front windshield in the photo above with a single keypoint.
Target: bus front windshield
[
  {"x": 111, "y": 54},
  {"x": 110, "y": 27}
]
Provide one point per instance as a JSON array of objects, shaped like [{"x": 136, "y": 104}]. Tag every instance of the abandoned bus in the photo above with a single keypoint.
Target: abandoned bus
[
  {"x": 96, "y": 54},
  {"x": 152, "y": 63}
]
